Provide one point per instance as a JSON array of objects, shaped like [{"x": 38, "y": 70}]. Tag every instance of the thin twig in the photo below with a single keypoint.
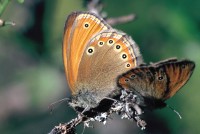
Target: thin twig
[
  {"x": 96, "y": 7},
  {"x": 5, "y": 23},
  {"x": 68, "y": 128},
  {"x": 121, "y": 19}
]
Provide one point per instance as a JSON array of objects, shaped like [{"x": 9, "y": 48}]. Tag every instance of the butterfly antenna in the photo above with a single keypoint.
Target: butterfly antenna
[
  {"x": 175, "y": 111},
  {"x": 83, "y": 129},
  {"x": 52, "y": 105}
]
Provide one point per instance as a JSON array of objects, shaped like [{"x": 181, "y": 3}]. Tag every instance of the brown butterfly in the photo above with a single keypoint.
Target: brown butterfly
[
  {"x": 94, "y": 56},
  {"x": 105, "y": 71},
  {"x": 155, "y": 83}
]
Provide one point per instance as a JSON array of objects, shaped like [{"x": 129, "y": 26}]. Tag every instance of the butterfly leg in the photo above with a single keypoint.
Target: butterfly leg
[
  {"x": 140, "y": 123},
  {"x": 131, "y": 109},
  {"x": 108, "y": 98},
  {"x": 128, "y": 110},
  {"x": 85, "y": 110},
  {"x": 138, "y": 110}
]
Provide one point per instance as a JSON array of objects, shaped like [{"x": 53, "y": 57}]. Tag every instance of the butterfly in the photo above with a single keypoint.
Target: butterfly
[
  {"x": 94, "y": 55},
  {"x": 155, "y": 83}
]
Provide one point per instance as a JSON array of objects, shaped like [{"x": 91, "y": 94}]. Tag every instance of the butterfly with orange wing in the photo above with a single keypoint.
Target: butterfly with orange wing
[
  {"x": 94, "y": 56},
  {"x": 101, "y": 63},
  {"x": 154, "y": 84}
]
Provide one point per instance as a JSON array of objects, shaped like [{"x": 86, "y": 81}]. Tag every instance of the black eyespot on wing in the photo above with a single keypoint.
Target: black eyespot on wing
[
  {"x": 118, "y": 46},
  {"x": 110, "y": 41},
  {"x": 86, "y": 25},
  {"x": 126, "y": 80},
  {"x": 133, "y": 76},
  {"x": 101, "y": 43},
  {"x": 124, "y": 56},
  {"x": 90, "y": 50}
]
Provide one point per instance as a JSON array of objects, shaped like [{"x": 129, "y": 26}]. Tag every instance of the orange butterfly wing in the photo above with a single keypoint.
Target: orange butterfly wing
[
  {"x": 159, "y": 80},
  {"x": 79, "y": 29},
  {"x": 179, "y": 73}
]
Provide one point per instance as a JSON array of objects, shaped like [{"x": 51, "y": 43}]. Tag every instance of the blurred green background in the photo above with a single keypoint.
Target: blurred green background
[{"x": 32, "y": 74}]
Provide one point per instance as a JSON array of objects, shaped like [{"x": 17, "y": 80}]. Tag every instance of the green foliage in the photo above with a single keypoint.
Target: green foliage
[
  {"x": 3, "y": 5},
  {"x": 20, "y": 1}
]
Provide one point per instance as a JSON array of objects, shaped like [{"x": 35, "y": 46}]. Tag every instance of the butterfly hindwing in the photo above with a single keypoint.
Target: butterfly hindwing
[{"x": 108, "y": 54}]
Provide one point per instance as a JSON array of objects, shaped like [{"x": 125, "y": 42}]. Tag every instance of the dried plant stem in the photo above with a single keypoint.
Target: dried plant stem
[
  {"x": 96, "y": 7},
  {"x": 121, "y": 19},
  {"x": 4, "y": 23},
  {"x": 68, "y": 128}
]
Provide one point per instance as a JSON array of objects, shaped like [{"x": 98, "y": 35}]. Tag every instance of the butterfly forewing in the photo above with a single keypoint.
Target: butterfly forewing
[
  {"x": 159, "y": 80},
  {"x": 79, "y": 29},
  {"x": 178, "y": 73}
]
